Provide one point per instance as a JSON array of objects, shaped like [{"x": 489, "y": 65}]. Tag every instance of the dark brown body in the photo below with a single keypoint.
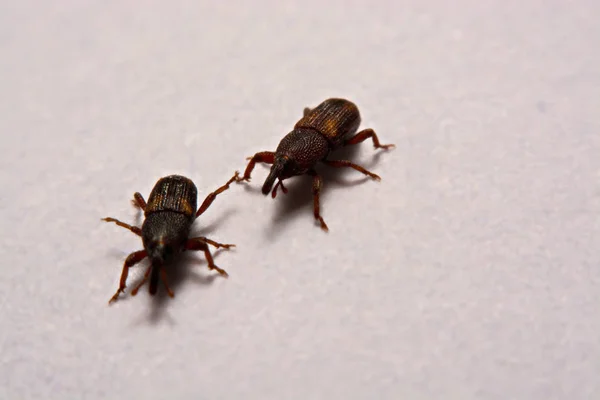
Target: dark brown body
[
  {"x": 330, "y": 125},
  {"x": 169, "y": 215}
]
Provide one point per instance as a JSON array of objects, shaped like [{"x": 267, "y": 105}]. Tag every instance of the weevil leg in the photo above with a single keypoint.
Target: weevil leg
[
  {"x": 138, "y": 201},
  {"x": 344, "y": 163},
  {"x": 133, "y": 229},
  {"x": 306, "y": 111},
  {"x": 201, "y": 244},
  {"x": 283, "y": 189},
  {"x": 267, "y": 157},
  {"x": 212, "y": 196},
  {"x": 364, "y": 135},
  {"x": 316, "y": 189},
  {"x": 163, "y": 277},
  {"x": 212, "y": 242},
  {"x": 144, "y": 280},
  {"x": 131, "y": 260}
]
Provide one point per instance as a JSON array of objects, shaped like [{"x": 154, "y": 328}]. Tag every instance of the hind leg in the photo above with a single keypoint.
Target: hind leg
[
  {"x": 138, "y": 201},
  {"x": 364, "y": 135},
  {"x": 345, "y": 163}
]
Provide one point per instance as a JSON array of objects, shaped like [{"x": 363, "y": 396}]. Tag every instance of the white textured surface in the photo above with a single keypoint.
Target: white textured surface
[{"x": 472, "y": 271}]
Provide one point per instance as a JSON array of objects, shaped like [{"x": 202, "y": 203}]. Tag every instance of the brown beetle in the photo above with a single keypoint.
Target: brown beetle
[
  {"x": 169, "y": 215},
  {"x": 320, "y": 131}
]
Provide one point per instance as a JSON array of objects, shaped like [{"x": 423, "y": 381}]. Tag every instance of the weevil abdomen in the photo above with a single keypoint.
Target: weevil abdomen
[
  {"x": 173, "y": 193},
  {"x": 334, "y": 118}
]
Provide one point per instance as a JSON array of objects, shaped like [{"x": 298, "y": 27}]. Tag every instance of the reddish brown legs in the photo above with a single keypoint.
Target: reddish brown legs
[
  {"x": 138, "y": 201},
  {"x": 267, "y": 157},
  {"x": 133, "y": 229},
  {"x": 163, "y": 277},
  {"x": 364, "y": 135},
  {"x": 283, "y": 189},
  {"x": 213, "y": 243},
  {"x": 137, "y": 288},
  {"x": 344, "y": 163},
  {"x": 212, "y": 196},
  {"x": 131, "y": 260},
  {"x": 201, "y": 243},
  {"x": 316, "y": 189}
]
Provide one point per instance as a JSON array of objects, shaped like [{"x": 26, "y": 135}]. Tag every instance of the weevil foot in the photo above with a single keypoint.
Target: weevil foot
[
  {"x": 239, "y": 179},
  {"x": 221, "y": 271},
  {"x": 116, "y": 295},
  {"x": 323, "y": 224},
  {"x": 386, "y": 146},
  {"x": 222, "y": 245}
]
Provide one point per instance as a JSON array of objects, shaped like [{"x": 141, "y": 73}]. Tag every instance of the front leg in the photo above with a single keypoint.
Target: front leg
[
  {"x": 143, "y": 281},
  {"x": 267, "y": 157},
  {"x": 364, "y": 135},
  {"x": 283, "y": 189},
  {"x": 201, "y": 244},
  {"x": 131, "y": 260},
  {"x": 212, "y": 196},
  {"x": 133, "y": 229}
]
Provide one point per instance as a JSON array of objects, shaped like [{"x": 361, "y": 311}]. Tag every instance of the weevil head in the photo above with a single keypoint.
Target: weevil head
[
  {"x": 160, "y": 251},
  {"x": 283, "y": 167}
]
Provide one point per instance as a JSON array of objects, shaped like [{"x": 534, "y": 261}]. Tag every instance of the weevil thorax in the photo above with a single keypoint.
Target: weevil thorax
[
  {"x": 169, "y": 213},
  {"x": 164, "y": 233}
]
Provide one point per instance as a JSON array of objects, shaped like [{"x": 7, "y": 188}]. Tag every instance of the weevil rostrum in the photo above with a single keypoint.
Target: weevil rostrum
[
  {"x": 330, "y": 125},
  {"x": 169, "y": 215}
]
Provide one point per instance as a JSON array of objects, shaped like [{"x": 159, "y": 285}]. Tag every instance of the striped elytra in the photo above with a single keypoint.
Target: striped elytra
[
  {"x": 173, "y": 193},
  {"x": 334, "y": 118}
]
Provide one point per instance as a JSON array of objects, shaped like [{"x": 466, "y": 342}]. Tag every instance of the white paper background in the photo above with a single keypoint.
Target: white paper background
[{"x": 472, "y": 271}]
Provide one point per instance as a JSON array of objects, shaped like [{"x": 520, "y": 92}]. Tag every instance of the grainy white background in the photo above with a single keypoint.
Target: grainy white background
[{"x": 472, "y": 271}]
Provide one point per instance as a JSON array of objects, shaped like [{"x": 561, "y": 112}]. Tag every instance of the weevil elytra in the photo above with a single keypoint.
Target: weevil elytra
[
  {"x": 169, "y": 215},
  {"x": 330, "y": 125}
]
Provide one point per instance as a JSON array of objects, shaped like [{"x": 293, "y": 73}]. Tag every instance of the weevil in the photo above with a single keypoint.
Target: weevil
[
  {"x": 332, "y": 124},
  {"x": 168, "y": 218}
]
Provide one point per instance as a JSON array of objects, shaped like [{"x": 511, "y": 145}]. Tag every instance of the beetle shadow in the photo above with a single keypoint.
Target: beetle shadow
[
  {"x": 189, "y": 267},
  {"x": 299, "y": 199},
  {"x": 204, "y": 230}
]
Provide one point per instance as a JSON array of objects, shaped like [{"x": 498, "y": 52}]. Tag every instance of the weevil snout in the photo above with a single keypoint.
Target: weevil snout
[{"x": 277, "y": 171}]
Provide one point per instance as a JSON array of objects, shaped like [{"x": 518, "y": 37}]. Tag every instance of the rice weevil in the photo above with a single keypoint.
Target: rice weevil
[
  {"x": 169, "y": 215},
  {"x": 330, "y": 125}
]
